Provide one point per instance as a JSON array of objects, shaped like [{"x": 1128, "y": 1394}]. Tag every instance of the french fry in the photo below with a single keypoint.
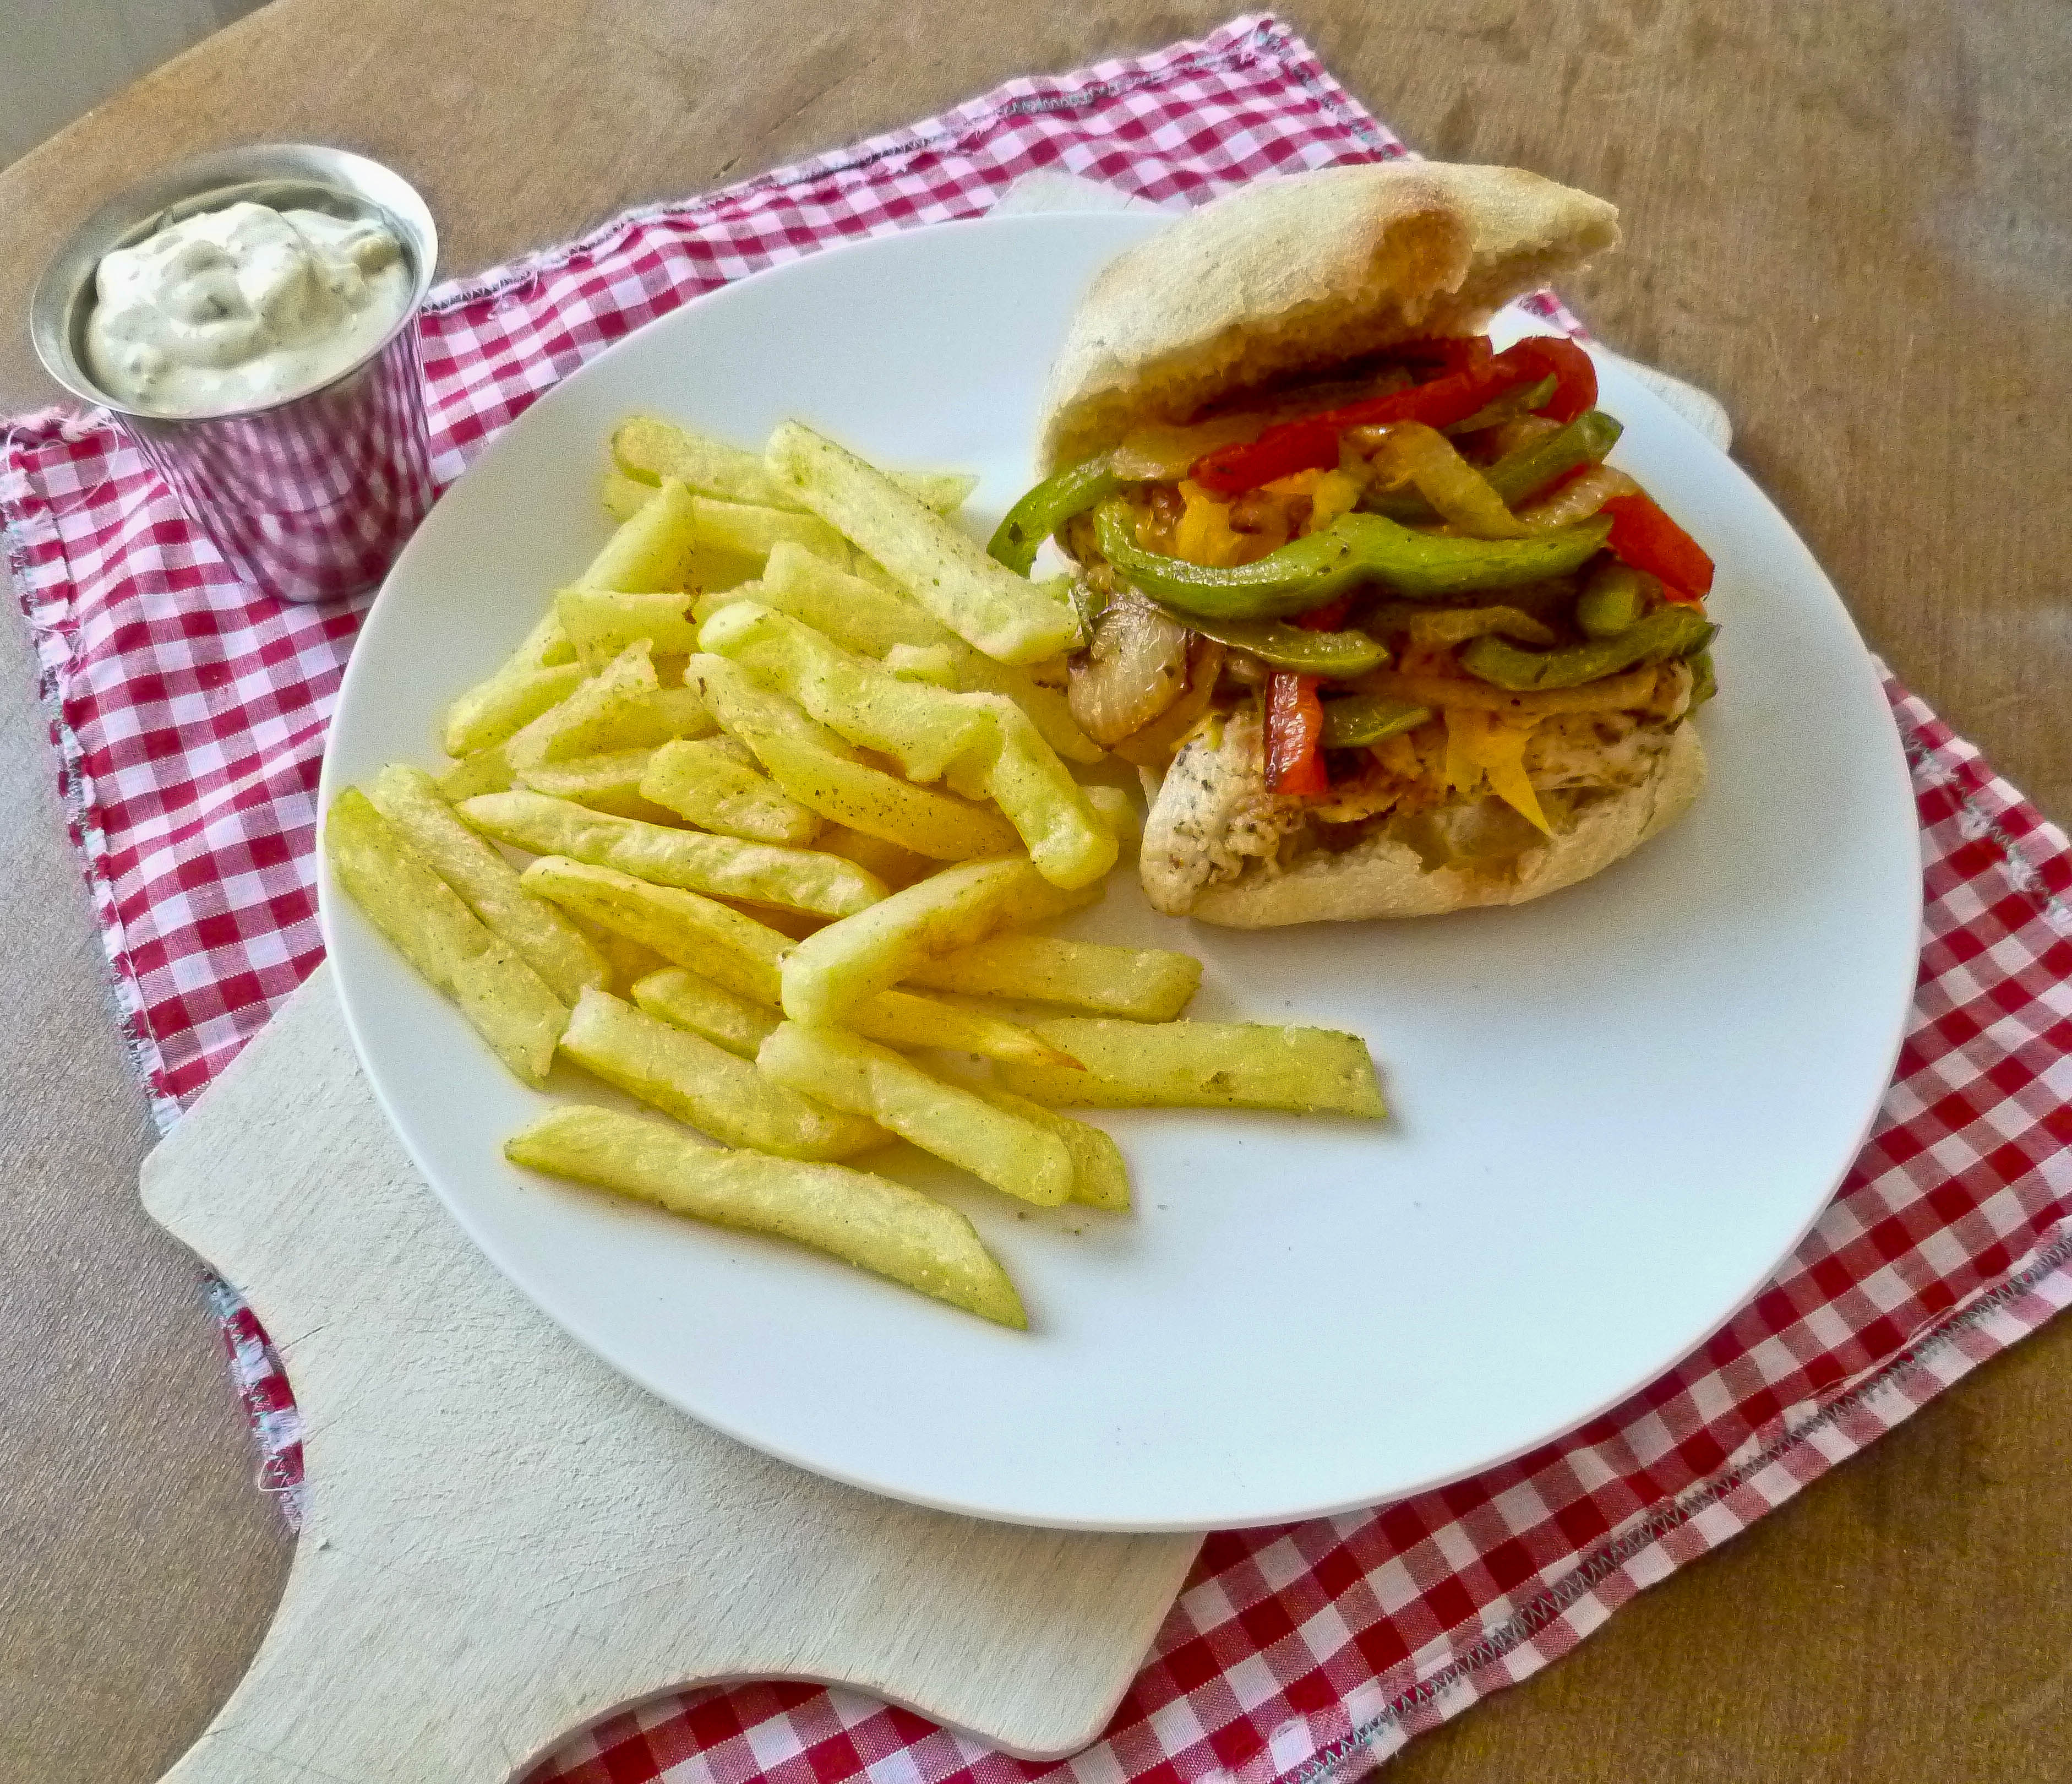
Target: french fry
[
  {"x": 623, "y": 496},
  {"x": 984, "y": 744},
  {"x": 653, "y": 550},
  {"x": 629, "y": 961},
  {"x": 625, "y": 707},
  {"x": 748, "y": 530},
  {"x": 717, "y": 1092},
  {"x": 707, "y": 784},
  {"x": 683, "y": 928},
  {"x": 1116, "y": 809},
  {"x": 741, "y": 706},
  {"x": 1143, "y": 984},
  {"x": 650, "y": 451},
  {"x": 899, "y": 1019},
  {"x": 923, "y": 728},
  {"x": 1100, "y": 1179},
  {"x": 898, "y": 867},
  {"x": 919, "y": 820},
  {"x": 1202, "y": 1065},
  {"x": 1068, "y": 841},
  {"x": 829, "y": 974},
  {"x": 870, "y": 1222},
  {"x": 872, "y": 622},
  {"x": 987, "y": 606},
  {"x": 727, "y": 1020},
  {"x": 858, "y": 614},
  {"x": 486, "y": 770},
  {"x": 506, "y": 1003},
  {"x": 608, "y": 783},
  {"x": 723, "y": 867},
  {"x": 849, "y": 1073},
  {"x": 487, "y": 884},
  {"x": 497, "y": 709},
  {"x": 601, "y": 622},
  {"x": 546, "y": 646}
]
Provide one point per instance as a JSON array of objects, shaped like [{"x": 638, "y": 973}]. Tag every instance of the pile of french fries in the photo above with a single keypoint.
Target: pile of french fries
[{"x": 790, "y": 760}]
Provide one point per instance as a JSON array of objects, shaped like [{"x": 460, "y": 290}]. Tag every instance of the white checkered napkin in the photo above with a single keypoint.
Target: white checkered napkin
[{"x": 189, "y": 715}]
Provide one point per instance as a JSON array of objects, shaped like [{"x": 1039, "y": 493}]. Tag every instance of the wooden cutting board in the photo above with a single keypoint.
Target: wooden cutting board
[{"x": 505, "y": 1539}]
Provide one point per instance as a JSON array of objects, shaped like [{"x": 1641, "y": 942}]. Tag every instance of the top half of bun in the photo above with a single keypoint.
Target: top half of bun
[{"x": 1294, "y": 275}]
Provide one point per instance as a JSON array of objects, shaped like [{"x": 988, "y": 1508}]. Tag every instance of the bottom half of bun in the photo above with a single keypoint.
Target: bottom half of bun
[{"x": 1187, "y": 872}]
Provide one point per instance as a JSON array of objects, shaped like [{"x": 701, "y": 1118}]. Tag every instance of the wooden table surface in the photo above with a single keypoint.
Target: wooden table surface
[{"x": 1853, "y": 222}]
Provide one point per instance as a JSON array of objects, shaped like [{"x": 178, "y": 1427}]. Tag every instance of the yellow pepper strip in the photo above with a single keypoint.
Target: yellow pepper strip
[
  {"x": 1481, "y": 743},
  {"x": 1205, "y": 535}
]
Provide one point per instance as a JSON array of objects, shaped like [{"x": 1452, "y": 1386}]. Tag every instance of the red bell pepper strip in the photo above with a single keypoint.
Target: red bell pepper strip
[
  {"x": 1312, "y": 443},
  {"x": 1327, "y": 618},
  {"x": 1645, "y": 538},
  {"x": 1574, "y": 372},
  {"x": 1294, "y": 736}
]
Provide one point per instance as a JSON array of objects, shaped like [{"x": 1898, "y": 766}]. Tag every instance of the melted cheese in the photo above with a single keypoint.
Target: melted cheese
[{"x": 1481, "y": 746}]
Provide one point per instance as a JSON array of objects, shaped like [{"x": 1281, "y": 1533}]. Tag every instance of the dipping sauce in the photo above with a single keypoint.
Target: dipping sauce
[{"x": 241, "y": 307}]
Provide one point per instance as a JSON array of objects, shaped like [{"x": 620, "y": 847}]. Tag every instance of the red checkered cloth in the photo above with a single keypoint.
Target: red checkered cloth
[{"x": 189, "y": 716}]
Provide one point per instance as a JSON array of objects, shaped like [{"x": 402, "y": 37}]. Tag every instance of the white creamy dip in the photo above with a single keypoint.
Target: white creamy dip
[{"x": 240, "y": 307}]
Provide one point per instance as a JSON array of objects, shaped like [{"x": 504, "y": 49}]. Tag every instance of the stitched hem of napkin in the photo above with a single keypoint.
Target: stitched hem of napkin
[{"x": 1538, "y": 1613}]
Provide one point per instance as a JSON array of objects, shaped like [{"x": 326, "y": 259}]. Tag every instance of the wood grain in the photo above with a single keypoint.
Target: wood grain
[
  {"x": 506, "y": 1540},
  {"x": 1853, "y": 222}
]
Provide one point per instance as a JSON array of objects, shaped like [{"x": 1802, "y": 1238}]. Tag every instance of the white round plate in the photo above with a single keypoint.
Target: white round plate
[{"x": 1613, "y": 1111}]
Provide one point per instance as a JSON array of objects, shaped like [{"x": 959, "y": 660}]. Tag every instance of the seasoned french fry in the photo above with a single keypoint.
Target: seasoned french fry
[
  {"x": 870, "y": 1222},
  {"x": 858, "y": 615},
  {"x": 1068, "y": 841},
  {"x": 923, "y": 729},
  {"x": 990, "y": 608},
  {"x": 898, "y": 867},
  {"x": 625, "y": 707},
  {"x": 740, "y": 706},
  {"x": 654, "y": 549},
  {"x": 507, "y": 1003},
  {"x": 901, "y": 1019},
  {"x": 1100, "y": 1179},
  {"x": 860, "y": 797},
  {"x": 1144, "y": 984},
  {"x": 873, "y": 622},
  {"x": 630, "y": 961},
  {"x": 829, "y": 974},
  {"x": 651, "y": 450},
  {"x": 723, "y": 867},
  {"x": 738, "y": 1023},
  {"x": 707, "y": 784},
  {"x": 486, "y": 770},
  {"x": 499, "y": 708},
  {"x": 748, "y": 530},
  {"x": 847, "y": 1072},
  {"x": 984, "y": 743},
  {"x": 609, "y": 783},
  {"x": 487, "y": 884},
  {"x": 1202, "y": 1065},
  {"x": 685, "y": 929},
  {"x": 546, "y": 646},
  {"x": 1116, "y": 809},
  {"x": 712, "y": 1089},
  {"x": 623, "y": 496},
  {"x": 601, "y": 622}
]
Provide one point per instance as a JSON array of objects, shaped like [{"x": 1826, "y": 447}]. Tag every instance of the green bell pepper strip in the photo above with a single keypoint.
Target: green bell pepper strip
[
  {"x": 1583, "y": 441},
  {"x": 1047, "y": 507},
  {"x": 1353, "y": 549},
  {"x": 1508, "y": 407},
  {"x": 1611, "y": 600},
  {"x": 1704, "y": 682},
  {"x": 1360, "y": 719},
  {"x": 1673, "y": 632},
  {"x": 1329, "y": 655}
]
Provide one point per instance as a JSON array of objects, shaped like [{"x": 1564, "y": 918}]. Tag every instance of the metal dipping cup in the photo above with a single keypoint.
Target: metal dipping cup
[{"x": 309, "y": 497}]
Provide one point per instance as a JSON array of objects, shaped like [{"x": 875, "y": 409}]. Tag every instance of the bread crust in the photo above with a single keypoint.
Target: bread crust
[
  {"x": 1379, "y": 877},
  {"x": 1297, "y": 274}
]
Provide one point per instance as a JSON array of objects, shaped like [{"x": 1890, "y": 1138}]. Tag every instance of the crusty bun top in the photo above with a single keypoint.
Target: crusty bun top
[{"x": 1294, "y": 275}]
